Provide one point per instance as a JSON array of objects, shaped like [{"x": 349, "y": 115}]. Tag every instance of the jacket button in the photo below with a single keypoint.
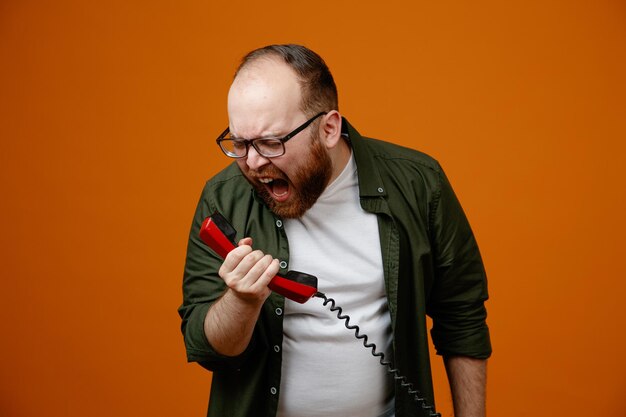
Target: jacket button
[
  {"x": 380, "y": 189},
  {"x": 273, "y": 390},
  {"x": 283, "y": 264},
  {"x": 276, "y": 348},
  {"x": 279, "y": 223},
  {"x": 279, "y": 311}
]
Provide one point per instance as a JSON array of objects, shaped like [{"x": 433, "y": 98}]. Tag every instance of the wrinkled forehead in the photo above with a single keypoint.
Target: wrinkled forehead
[{"x": 264, "y": 99}]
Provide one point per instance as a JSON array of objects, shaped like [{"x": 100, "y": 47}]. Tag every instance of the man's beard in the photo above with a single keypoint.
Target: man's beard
[{"x": 306, "y": 185}]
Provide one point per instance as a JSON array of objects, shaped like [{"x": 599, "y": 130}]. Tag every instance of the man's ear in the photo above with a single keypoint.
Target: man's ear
[{"x": 330, "y": 129}]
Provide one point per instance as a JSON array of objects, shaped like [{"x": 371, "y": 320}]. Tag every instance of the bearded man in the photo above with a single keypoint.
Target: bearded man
[{"x": 377, "y": 224}]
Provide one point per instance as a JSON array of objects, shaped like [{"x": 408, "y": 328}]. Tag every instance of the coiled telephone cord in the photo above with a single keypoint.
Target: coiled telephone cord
[{"x": 390, "y": 368}]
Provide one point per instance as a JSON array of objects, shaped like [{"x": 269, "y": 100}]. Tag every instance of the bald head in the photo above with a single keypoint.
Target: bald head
[
  {"x": 318, "y": 89},
  {"x": 264, "y": 95}
]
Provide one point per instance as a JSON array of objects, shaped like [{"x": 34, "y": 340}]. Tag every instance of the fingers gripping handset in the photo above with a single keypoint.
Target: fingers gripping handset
[{"x": 219, "y": 235}]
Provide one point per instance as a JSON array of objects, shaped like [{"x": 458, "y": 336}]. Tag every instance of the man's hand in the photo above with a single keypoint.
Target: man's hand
[
  {"x": 467, "y": 377},
  {"x": 229, "y": 323},
  {"x": 247, "y": 272}
]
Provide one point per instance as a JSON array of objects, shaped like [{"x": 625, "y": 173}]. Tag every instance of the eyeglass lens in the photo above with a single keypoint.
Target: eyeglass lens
[{"x": 265, "y": 147}]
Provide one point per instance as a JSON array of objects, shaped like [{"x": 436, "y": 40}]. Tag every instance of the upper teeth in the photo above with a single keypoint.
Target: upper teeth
[{"x": 266, "y": 180}]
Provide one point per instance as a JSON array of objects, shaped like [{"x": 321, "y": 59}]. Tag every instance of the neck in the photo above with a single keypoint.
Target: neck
[{"x": 339, "y": 155}]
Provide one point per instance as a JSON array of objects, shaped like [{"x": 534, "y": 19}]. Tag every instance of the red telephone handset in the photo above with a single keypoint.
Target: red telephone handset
[{"x": 219, "y": 235}]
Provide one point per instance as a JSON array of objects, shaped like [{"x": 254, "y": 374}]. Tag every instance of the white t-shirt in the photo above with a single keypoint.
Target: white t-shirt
[{"x": 325, "y": 369}]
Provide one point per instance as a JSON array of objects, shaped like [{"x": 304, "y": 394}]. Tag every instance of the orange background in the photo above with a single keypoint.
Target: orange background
[{"x": 108, "y": 114}]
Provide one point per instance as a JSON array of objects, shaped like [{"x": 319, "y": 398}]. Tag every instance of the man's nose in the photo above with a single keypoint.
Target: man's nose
[{"x": 255, "y": 160}]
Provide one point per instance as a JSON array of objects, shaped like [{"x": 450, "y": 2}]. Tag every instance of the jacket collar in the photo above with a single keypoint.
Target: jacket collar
[{"x": 370, "y": 182}]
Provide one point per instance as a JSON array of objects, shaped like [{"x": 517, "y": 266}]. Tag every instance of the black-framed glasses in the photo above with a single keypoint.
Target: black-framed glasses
[{"x": 267, "y": 147}]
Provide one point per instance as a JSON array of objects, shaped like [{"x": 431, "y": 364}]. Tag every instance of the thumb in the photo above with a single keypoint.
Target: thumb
[{"x": 245, "y": 241}]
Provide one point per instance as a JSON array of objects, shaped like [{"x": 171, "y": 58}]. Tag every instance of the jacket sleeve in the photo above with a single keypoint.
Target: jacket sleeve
[
  {"x": 457, "y": 300},
  {"x": 202, "y": 286}
]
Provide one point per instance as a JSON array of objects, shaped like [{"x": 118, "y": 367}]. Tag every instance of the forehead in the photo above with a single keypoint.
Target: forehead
[{"x": 264, "y": 99}]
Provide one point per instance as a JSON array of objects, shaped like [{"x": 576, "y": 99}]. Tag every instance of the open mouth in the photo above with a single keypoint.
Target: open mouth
[{"x": 277, "y": 187}]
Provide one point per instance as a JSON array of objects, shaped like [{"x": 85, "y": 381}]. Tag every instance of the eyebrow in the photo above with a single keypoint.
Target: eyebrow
[{"x": 259, "y": 137}]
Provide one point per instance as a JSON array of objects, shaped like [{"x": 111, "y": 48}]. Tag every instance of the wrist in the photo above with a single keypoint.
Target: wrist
[{"x": 243, "y": 302}]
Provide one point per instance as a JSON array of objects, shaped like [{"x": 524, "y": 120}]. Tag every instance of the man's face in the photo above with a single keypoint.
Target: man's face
[
  {"x": 264, "y": 102},
  {"x": 291, "y": 191}
]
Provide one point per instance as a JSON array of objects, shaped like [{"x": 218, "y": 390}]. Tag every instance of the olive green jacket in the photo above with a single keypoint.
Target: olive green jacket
[{"x": 432, "y": 266}]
